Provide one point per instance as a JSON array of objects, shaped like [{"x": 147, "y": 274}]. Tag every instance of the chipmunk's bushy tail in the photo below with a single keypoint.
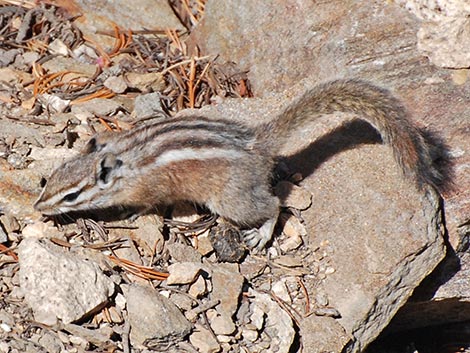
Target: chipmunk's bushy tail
[{"x": 373, "y": 104}]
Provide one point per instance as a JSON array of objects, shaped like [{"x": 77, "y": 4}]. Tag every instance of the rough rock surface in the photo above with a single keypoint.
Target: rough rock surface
[
  {"x": 278, "y": 322},
  {"x": 444, "y": 35},
  {"x": 48, "y": 275},
  {"x": 370, "y": 40},
  {"x": 154, "y": 320},
  {"x": 227, "y": 295},
  {"x": 100, "y": 16},
  {"x": 436, "y": 304},
  {"x": 382, "y": 251},
  {"x": 397, "y": 240}
]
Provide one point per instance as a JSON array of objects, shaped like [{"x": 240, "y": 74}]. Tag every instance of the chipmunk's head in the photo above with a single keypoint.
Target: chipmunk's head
[{"x": 86, "y": 182}]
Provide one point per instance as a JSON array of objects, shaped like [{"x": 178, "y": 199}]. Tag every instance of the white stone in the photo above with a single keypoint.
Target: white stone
[
  {"x": 58, "y": 284},
  {"x": 280, "y": 289},
  {"x": 250, "y": 335},
  {"x": 183, "y": 272},
  {"x": 58, "y": 47},
  {"x": 222, "y": 325},
  {"x": 204, "y": 341},
  {"x": 278, "y": 322},
  {"x": 115, "y": 84},
  {"x": 198, "y": 288},
  {"x": 153, "y": 317},
  {"x": 445, "y": 33}
]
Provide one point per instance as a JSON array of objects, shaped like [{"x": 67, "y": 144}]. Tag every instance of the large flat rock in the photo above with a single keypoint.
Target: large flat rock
[
  {"x": 384, "y": 236},
  {"x": 281, "y": 42}
]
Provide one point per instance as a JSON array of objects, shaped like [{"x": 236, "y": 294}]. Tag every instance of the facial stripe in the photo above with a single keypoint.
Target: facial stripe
[{"x": 67, "y": 189}]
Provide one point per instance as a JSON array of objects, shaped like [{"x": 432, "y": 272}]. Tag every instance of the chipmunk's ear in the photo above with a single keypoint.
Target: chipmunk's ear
[
  {"x": 107, "y": 170},
  {"x": 93, "y": 146}
]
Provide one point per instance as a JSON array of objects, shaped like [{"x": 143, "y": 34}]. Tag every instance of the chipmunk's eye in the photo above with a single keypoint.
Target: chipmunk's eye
[
  {"x": 43, "y": 182},
  {"x": 71, "y": 197}
]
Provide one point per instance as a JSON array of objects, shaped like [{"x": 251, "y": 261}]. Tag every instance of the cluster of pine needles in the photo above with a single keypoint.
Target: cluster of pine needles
[{"x": 191, "y": 80}]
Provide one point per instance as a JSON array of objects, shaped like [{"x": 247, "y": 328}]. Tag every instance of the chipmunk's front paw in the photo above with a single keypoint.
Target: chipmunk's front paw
[{"x": 256, "y": 239}]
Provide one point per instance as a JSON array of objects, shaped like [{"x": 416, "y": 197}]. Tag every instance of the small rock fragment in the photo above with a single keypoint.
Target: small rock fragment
[
  {"x": 333, "y": 339},
  {"x": 329, "y": 270},
  {"x": 30, "y": 57},
  {"x": 3, "y": 235},
  {"x": 84, "y": 53},
  {"x": 146, "y": 82},
  {"x": 120, "y": 301},
  {"x": 148, "y": 234},
  {"x": 183, "y": 272},
  {"x": 204, "y": 245},
  {"x": 292, "y": 195},
  {"x": 252, "y": 267},
  {"x": 321, "y": 299},
  {"x": 278, "y": 325},
  {"x": 280, "y": 290},
  {"x": 292, "y": 225},
  {"x": 330, "y": 312},
  {"x": 227, "y": 285},
  {"x": 293, "y": 230},
  {"x": 181, "y": 253},
  {"x": 222, "y": 325},
  {"x": 50, "y": 342},
  {"x": 115, "y": 315},
  {"x": 182, "y": 301},
  {"x": 79, "y": 341},
  {"x": 58, "y": 47},
  {"x": 459, "y": 77},
  {"x": 289, "y": 261},
  {"x": 203, "y": 341},
  {"x": 257, "y": 316},
  {"x": 147, "y": 106},
  {"x": 198, "y": 288},
  {"x": 97, "y": 337},
  {"x": 8, "y": 56},
  {"x": 291, "y": 243},
  {"x": 28, "y": 104},
  {"x": 40, "y": 230},
  {"x": 224, "y": 339},
  {"x": 153, "y": 318},
  {"x": 115, "y": 84},
  {"x": 97, "y": 106},
  {"x": 52, "y": 154},
  {"x": 249, "y": 335},
  {"x": 5, "y": 327},
  {"x": 54, "y": 103},
  {"x": 10, "y": 223}
]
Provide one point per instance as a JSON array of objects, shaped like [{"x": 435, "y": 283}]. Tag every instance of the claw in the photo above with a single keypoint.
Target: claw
[{"x": 256, "y": 239}]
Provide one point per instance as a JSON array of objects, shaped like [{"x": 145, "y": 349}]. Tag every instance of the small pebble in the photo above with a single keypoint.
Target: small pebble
[
  {"x": 250, "y": 335},
  {"x": 183, "y": 272},
  {"x": 116, "y": 84},
  {"x": 329, "y": 270}
]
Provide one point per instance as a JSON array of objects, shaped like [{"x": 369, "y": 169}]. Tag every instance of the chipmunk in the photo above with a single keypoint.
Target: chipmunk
[{"x": 223, "y": 165}]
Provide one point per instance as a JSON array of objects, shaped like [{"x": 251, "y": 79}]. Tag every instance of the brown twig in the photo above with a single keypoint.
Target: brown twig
[{"x": 8, "y": 251}]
